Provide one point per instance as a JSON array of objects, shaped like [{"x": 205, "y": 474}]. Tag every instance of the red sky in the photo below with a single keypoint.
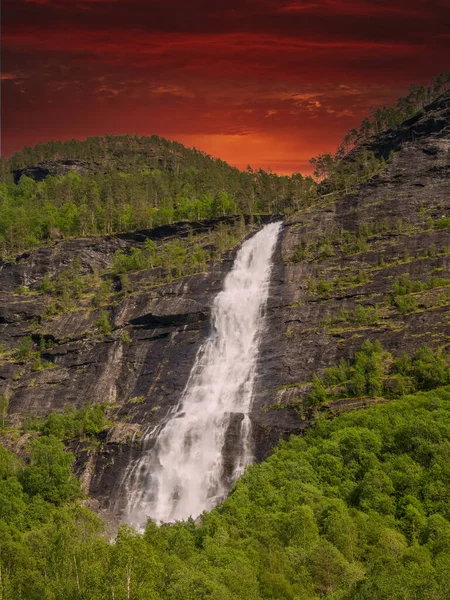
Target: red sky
[{"x": 263, "y": 82}]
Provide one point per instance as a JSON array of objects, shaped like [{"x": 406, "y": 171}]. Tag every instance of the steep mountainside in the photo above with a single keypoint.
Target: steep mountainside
[
  {"x": 335, "y": 269},
  {"x": 338, "y": 263}
]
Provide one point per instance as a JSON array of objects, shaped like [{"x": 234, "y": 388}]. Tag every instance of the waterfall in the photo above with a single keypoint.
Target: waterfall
[{"x": 188, "y": 464}]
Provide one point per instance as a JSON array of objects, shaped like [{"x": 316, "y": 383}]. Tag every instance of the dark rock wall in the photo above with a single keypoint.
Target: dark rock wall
[
  {"x": 165, "y": 324},
  {"x": 140, "y": 380},
  {"x": 409, "y": 196}
]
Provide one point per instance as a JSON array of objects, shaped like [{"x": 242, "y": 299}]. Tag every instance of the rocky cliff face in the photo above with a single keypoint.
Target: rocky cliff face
[
  {"x": 139, "y": 370},
  {"x": 334, "y": 258},
  {"x": 51, "y": 168},
  {"x": 343, "y": 255}
]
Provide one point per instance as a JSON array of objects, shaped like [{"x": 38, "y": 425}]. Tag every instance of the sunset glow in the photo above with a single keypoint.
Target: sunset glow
[{"x": 263, "y": 83}]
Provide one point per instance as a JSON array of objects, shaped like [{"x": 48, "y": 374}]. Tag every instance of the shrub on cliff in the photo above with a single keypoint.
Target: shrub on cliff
[{"x": 374, "y": 372}]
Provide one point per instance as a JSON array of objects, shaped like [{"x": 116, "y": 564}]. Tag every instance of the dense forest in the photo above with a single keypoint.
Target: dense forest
[
  {"x": 357, "y": 509},
  {"x": 122, "y": 183}
]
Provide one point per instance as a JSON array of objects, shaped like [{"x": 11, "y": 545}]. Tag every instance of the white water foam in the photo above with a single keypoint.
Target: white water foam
[{"x": 181, "y": 471}]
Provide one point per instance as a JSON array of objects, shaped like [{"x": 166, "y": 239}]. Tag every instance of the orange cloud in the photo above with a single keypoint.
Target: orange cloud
[{"x": 266, "y": 83}]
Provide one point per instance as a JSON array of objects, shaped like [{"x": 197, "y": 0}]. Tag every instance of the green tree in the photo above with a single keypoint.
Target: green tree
[{"x": 49, "y": 473}]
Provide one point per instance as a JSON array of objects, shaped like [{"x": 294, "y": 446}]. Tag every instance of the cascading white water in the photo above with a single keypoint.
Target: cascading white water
[{"x": 181, "y": 471}]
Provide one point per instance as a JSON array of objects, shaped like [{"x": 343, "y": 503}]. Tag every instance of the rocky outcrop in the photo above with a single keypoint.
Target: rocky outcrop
[
  {"x": 54, "y": 168},
  {"x": 93, "y": 254},
  {"x": 164, "y": 324},
  {"x": 432, "y": 122}
]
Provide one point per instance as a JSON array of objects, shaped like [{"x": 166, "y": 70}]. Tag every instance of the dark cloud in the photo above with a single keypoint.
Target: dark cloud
[{"x": 262, "y": 82}]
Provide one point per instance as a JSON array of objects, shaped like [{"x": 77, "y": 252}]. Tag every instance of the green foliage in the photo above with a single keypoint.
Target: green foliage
[
  {"x": 324, "y": 287},
  {"x": 68, "y": 286},
  {"x": 428, "y": 368},
  {"x": 354, "y": 244},
  {"x": 22, "y": 290},
  {"x": 103, "y": 293},
  {"x": 443, "y": 223},
  {"x": 49, "y": 473},
  {"x": 135, "y": 261},
  {"x": 4, "y": 405},
  {"x": 130, "y": 182},
  {"x": 136, "y": 400},
  {"x": 357, "y": 509},
  {"x": 345, "y": 175},
  {"x": 403, "y": 287},
  {"x": 126, "y": 337},
  {"x": 25, "y": 348},
  {"x": 373, "y": 372},
  {"x": 25, "y": 352},
  {"x": 300, "y": 252},
  {"x": 345, "y": 242},
  {"x": 46, "y": 285},
  {"x": 365, "y": 315},
  {"x": 179, "y": 257},
  {"x": 103, "y": 323},
  {"x": 405, "y": 304},
  {"x": 75, "y": 424},
  {"x": 319, "y": 392}
]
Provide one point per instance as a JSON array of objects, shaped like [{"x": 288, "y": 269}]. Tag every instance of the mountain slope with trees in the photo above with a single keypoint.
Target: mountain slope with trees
[
  {"x": 117, "y": 184},
  {"x": 358, "y": 509},
  {"x": 98, "y": 335},
  {"x": 372, "y": 263}
]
